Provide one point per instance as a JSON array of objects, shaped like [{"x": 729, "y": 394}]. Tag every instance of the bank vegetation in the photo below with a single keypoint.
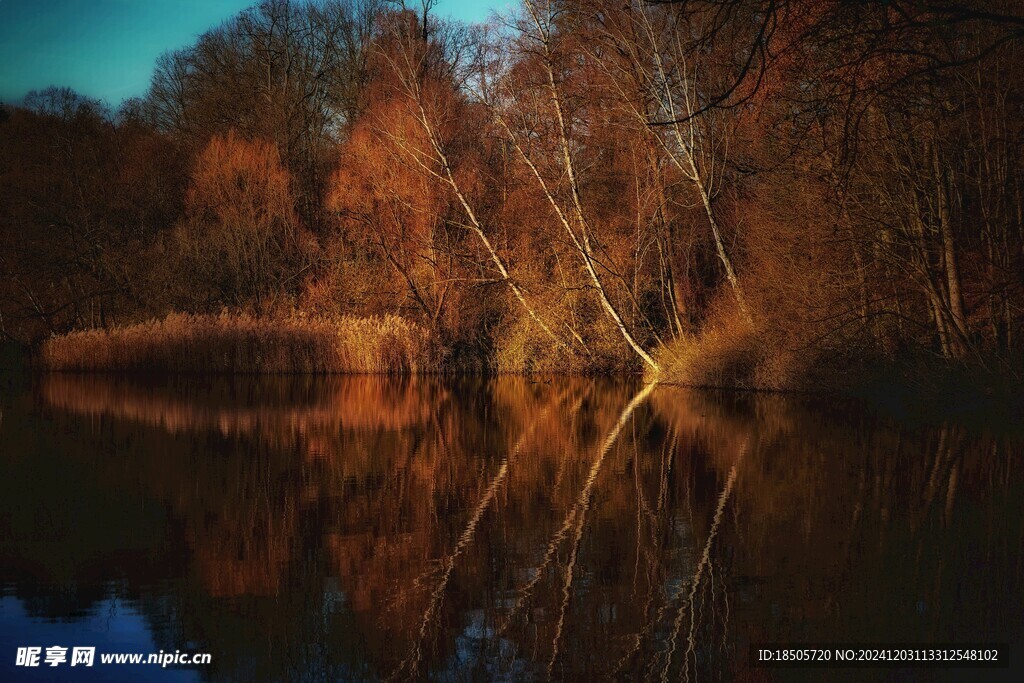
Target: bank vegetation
[{"x": 232, "y": 344}]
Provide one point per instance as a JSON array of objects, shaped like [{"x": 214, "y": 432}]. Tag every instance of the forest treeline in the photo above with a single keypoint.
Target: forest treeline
[{"x": 769, "y": 193}]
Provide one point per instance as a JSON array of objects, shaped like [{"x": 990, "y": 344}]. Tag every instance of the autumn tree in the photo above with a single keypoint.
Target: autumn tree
[
  {"x": 241, "y": 242},
  {"x": 436, "y": 137},
  {"x": 389, "y": 211},
  {"x": 292, "y": 73}
]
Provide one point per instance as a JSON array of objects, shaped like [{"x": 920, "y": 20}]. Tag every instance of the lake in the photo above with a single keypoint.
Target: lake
[{"x": 371, "y": 528}]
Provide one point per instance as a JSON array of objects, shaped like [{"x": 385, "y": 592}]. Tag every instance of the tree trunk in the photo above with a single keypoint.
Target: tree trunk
[{"x": 949, "y": 255}]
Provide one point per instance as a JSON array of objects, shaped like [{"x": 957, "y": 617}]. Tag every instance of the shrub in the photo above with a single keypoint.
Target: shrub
[
  {"x": 730, "y": 352},
  {"x": 724, "y": 354}
]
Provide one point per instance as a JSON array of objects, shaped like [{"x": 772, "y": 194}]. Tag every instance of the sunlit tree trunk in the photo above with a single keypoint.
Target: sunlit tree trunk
[
  {"x": 675, "y": 93},
  {"x": 581, "y": 240},
  {"x": 408, "y": 69}
]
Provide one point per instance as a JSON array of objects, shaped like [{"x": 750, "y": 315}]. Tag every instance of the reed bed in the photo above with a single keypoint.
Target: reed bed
[{"x": 240, "y": 343}]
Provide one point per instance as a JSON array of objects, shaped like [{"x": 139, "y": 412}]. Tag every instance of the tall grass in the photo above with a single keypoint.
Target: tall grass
[{"x": 240, "y": 343}]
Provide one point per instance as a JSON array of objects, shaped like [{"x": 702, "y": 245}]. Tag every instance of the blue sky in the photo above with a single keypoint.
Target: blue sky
[{"x": 107, "y": 48}]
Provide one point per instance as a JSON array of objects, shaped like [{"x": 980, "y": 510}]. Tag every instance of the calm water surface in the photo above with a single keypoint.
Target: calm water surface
[{"x": 508, "y": 529}]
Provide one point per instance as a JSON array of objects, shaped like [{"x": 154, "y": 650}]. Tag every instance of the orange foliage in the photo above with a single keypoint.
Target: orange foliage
[
  {"x": 239, "y": 182},
  {"x": 242, "y": 238}
]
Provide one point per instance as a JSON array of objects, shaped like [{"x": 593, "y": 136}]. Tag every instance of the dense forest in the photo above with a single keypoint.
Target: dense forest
[{"x": 765, "y": 193}]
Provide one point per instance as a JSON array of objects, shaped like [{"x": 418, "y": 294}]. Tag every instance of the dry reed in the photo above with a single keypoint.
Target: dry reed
[{"x": 240, "y": 343}]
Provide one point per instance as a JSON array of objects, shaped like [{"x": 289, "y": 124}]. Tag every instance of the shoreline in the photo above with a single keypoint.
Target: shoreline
[
  {"x": 964, "y": 402},
  {"x": 242, "y": 345}
]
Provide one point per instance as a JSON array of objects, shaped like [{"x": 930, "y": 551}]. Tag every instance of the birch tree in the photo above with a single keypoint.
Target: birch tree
[
  {"x": 426, "y": 78},
  {"x": 523, "y": 106}
]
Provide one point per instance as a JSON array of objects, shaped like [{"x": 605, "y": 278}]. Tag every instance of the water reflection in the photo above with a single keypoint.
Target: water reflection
[{"x": 381, "y": 528}]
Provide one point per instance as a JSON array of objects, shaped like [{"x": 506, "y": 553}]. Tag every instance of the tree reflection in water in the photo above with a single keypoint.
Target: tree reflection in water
[{"x": 566, "y": 528}]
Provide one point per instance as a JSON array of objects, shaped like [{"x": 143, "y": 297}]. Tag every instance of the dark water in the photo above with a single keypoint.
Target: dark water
[{"x": 365, "y": 529}]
